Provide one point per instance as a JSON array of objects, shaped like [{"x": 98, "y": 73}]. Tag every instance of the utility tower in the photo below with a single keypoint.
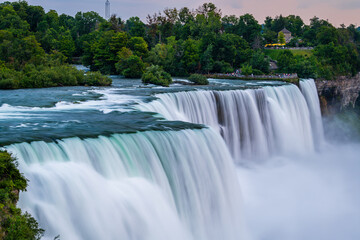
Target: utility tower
[{"x": 107, "y": 9}]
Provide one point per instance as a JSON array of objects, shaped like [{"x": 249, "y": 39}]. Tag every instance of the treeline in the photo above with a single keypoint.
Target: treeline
[
  {"x": 13, "y": 223},
  {"x": 180, "y": 41},
  {"x": 202, "y": 41},
  {"x": 34, "y": 54},
  {"x": 336, "y": 50}
]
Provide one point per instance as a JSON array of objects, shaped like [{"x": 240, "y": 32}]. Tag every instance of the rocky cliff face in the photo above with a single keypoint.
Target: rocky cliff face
[{"x": 338, "y": 94}]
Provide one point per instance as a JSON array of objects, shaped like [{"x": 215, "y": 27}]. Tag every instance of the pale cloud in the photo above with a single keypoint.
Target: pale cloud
[
  {"x": 339, "y": 4},
  {"x": 349, "y": 5}
]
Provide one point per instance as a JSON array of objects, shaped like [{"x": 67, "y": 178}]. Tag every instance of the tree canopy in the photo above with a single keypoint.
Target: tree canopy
[{"x": 181, "y": 41}]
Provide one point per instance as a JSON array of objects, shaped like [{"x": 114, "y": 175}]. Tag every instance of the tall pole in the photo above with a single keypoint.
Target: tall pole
[{"x": 107, "y": 9}]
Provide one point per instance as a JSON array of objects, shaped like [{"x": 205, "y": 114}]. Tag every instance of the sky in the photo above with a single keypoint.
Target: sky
[{"x": 336, "y": 11}]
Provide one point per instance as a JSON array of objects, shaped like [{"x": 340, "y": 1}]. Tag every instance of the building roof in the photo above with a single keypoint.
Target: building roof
[{"x": 285, "y": 31}]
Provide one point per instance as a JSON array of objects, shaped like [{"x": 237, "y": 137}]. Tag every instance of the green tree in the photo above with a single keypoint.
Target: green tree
[
  {"x": 230, "y": 24},
  {"x": 326, "y": 35},
  {"x": 260, "y": 62},
  {"x": 135, "y": 27},
  {"x": 65, "y": 44},
  {"x": 129, "y": 65},
  {"x": 270, "y": 36},
  {"x": 249, "y": 28},
  {"x": 232, "y": 49},
  {"x": 286, "y": 61},
  {"x": 207, "y": 62},
  {"x": 105, "y": 51},
  {"x": 14, "y": 224},
  {"x": 156, "y": 75},
  {"x": 86, "y": 23},
  {"x": 246, "y": 70},
  {"x": 281, "y": 38},
  {"x": 138, "y": 46},
  {"x": 191, "y": 58},
  {"x": 198, "y": 79}
]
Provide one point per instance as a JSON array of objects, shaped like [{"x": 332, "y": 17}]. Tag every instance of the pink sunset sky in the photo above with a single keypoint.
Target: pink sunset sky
[{"x": 336, "y": 11}]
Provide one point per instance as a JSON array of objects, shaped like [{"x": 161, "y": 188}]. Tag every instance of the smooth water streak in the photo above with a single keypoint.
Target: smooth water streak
[
  {"x": 255, "y": 123},
  {"x": 148, "y": 185}
]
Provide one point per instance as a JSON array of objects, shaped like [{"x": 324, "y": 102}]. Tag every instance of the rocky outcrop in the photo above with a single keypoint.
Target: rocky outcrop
[{"x": 339, "y": 93}]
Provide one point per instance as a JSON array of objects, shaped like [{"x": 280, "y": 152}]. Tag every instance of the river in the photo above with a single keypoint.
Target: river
[{"x": 232, "y": 160}]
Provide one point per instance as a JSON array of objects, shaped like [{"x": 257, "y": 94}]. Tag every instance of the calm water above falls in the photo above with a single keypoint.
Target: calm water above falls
[{"x": 137, "y": 162}]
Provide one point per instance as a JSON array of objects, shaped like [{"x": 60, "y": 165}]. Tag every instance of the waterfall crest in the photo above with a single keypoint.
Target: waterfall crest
[
  {"x": 148, "y": 185},
  {"x": 255, "y": 123}
]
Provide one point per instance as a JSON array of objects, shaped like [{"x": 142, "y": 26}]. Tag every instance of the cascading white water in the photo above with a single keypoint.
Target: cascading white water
[
  {"x": 308, "y": 88},
  {"x": 255, "y": 123},
  {"x": 149, "y": 185}
]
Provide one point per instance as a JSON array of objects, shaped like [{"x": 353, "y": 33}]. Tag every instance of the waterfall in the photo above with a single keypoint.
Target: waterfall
[
  {"x": 149, "y": 185},
  {"x": 308, "y": 88},
  {"x": 255, "y": 123}
]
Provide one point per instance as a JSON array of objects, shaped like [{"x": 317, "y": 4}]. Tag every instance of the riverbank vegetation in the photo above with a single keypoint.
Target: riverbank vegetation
[
  {"x": 14, "y": 224},
  {"x": 33, "y": 54},
  {"x": 156, "y": 75},
  {"x": 181, "y": 41},
  {"x": 198, "y": 79}
]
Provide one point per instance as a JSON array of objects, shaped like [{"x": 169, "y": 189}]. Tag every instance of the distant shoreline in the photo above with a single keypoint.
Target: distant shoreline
[{"x": 290, "y": 78}]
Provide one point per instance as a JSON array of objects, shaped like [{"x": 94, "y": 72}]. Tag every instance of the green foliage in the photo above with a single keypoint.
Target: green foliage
[
  {"x": 285, "y": 60},
  {"x": 222, "y": 67},
  {"x": 14, "y": 224},
  {"x": 249, "y": 28},
  {"x": 181, "y": 41},
  {"x": 96, "y": 79},
  {"x": 207, "y": 61},
  {"x": 246, "y": 69},
  {"x": 306, "y": 66},
  {"x": 260, "y": 62},
  {"x": 274, "y": 53},
  {"x": 11, "y": 178},
  {"x": 191, "y": 57},
  {"x": 105, "y": 50},
  {"x": 131, "y": 66},
  {"x": 281, "y": 38},
  {"x": 49, "y": 76},
  {"x": 135, "y": 27},
  {"x": 270, "y": 36},
  {"x": 257, "y": 72},
  {"x": 156, "y": 75},
  {"x": 337, "y": 59},
  {"x": 138, "y": 46},
  {"x": 22, "y": 227},
  {"x": 198, "y": 79},
  {"x": 232, "y": 49}
]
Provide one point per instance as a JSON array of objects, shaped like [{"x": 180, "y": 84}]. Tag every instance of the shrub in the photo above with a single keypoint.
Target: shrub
[
  {"x": 14, "y": 224},
  {"x": 222, "y": 67},
  {"x": 131, "y": 67},
  {"x": 257, "y": 72},
  {"x": 96, "y": 79},
  {"x": 9, "y": 79},
  {"x": 156, "y": 75},
  {"x": 50, "y": 76},
  {"x": 7, "y": 84},
  {"x": 198, "y": 79},
  {"x": 246, "y": 69}
]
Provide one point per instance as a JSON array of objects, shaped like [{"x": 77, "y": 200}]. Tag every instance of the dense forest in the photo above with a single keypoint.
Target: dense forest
[
  {"x": 35, "y": 45},
  {"x": 30, "y": 58}
]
